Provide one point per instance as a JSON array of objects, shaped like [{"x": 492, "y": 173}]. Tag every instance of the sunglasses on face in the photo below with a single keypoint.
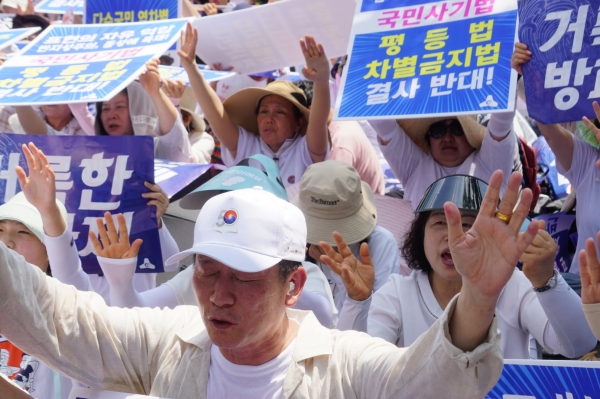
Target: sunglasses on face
[{"x": 438, "y": 130}]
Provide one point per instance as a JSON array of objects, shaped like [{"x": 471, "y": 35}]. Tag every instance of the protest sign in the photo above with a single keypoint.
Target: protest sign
[
  {"x": 178, "y": 178},
  {"x": 420, "y": 58},
  {"x": 60, "y": 6},
  {"x": 8, "y": 37},
  {"x": 82, "y": 63},
  {"x": 94, "y": 175},
  {"x": 176, "y": 73},
  {"x": 563, "y": 77},
  {"x": 118, "y": 11},
  {"x": 87, "y": 393},
  {"x": 543, "y": 379},
  {"x": 264, "y": 38},
  {"x": 560, "y": 227}
]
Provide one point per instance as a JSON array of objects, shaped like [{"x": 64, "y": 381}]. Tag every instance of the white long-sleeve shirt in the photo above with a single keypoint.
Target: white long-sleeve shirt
[{"x": 405, "y": 307}]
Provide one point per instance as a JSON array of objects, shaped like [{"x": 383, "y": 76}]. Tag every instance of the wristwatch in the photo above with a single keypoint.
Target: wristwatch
[{"x": 550, "y": 284}]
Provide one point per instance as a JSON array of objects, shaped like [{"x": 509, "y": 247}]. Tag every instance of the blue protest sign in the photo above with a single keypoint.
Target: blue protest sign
[
  {"x": 422, "y": 59},
  {"x": 558, "y": 225},
  {"x": 94, "y": 175},
  {"x": 60, "y": 6},
  {"x": 562, "y": 78},
  {"x": 176, "y": 73},
  {"x": 547, "y": 162},
  {"x": 178, "y": 178},
  {"x": 8, "y": 37},
  {"x": 118, "y": 11},
  {"x": 83, "y": 63},
  {"x": 543, "y": 379}
]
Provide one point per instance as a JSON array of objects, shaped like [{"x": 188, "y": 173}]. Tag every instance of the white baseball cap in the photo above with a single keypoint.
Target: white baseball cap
[{"x": 249, "y": 230}]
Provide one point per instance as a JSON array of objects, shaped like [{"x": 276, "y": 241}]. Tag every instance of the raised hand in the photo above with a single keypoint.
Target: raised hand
[
  {"x": 486, "y": 255},
  {"x": 317, "y": 65},
  {"x": 39, "y": 187},
  {"x": 210, "y": 9},
  {"x": 589, "y": 270},
  {"x": 538, "y": 258},
  {"x": 358, "y": 275},
  {"x": 159, "y": 199},
  {"x": 520, "y": 56},
  {"x": 150, "y": 80},
  {"x": 173, "y": 88},
  {"x": 111, "y": 244},
  {"x": 187, "y": 53}
]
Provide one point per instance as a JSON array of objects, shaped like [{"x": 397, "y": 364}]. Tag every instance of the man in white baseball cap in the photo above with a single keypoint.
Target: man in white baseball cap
[{"x": 248, "y": 244}]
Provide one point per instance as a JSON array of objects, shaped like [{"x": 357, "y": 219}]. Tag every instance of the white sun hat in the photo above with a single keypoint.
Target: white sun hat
[{"x": 249, "y": 230}]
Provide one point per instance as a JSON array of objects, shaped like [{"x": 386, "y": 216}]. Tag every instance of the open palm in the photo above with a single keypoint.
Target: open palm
[
  {"x": 589, "y": 269},
  {"x": 358, "y": 275},
  {"x": 114, "y": 245},
  {"x": 486, "y": 255},
  {"x": 187, "y": 52},
  {"x": 317, "y": 65},
  {"x": 39, "y": 187}
]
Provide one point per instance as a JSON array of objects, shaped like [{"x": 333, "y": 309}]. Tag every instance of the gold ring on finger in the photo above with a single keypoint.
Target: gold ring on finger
[{"x": 505, "y": 218}]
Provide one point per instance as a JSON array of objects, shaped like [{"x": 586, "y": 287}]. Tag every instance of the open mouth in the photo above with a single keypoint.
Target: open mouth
[
  {"x": 220, "y": 324},
  {"x": 447, "y": 258}
]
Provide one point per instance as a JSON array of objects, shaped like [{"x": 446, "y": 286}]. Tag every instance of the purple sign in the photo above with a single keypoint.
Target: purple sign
[{"x": 94, "y": 175}]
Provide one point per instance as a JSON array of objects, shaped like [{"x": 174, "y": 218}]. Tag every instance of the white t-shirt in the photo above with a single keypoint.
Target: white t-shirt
[
  {"x": 293, "y": 155},
  {"x": 229, "y": 380},
  {"x": 405, "y": 307},
  {"x": 386, "y": 259},
  {"x": 585, "y": 178},
  {"x": 417, "y": 169}
]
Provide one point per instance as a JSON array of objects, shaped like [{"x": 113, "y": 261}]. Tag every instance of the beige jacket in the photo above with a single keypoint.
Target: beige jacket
[
  {"x": 166, "y": 352},
  {"x": 592, "y": 314}
]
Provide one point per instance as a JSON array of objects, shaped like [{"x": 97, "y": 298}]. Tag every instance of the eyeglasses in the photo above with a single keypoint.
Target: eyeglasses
[{"x": 438, "y": 130}]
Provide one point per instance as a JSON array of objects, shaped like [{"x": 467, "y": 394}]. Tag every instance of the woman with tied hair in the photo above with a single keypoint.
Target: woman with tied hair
[
  {"x": 536, "y": 301},
  {"x": 273, "y": 121}
]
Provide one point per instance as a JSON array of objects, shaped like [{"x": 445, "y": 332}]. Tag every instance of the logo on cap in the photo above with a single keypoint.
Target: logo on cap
[{"x": 226, "y": 221}]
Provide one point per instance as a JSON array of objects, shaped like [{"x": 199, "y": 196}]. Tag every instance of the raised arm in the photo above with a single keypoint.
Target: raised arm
[
  {"x": 486, "y": 256},
  {"x": 167, "y": 113},
  {"x": 31, "y": 122},
  {"x": 589, "y": 269},
  {"x": 317, "y": 70},
  {"x": 559, "y": 139},
  {"x": 227, "y": 131}
]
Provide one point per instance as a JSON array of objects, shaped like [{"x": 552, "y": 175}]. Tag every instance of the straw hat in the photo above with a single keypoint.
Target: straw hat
[
  {"x": 187, "y": 103},
  {"x": 241, "y": 106},
  {"x": 333, "y": 198},
  {"x": 416, "y": 129}
]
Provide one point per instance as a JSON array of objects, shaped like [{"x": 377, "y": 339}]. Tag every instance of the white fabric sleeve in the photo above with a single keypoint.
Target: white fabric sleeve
[
  {"x": 182, "y": 288},
  {"x": 354, "y": 315},
  {"x": 168, "y": 247},
  {"x": 494, "y": 155},
  {"x": 64, "y": 261},
  {"x": 85, "y": 119},
  {"x": 501, "y": 124},
  {"x": 567, "y": 331},
  {"x": 592, "y": 314},
  {"x": 202, "y": 149},
  {"x": 175, "y": 145},
  {"x": 318, "y": 304},
  {"x": 246, "y": 141},
  {"x": 401, "y": 153},
  {"x": 119, "y": 274},
  {"x": 385, "y": 313}
]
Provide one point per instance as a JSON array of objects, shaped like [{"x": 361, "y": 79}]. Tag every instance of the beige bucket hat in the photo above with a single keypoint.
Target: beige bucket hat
[
  {"x": 416, "y": 129},
  {"x": 333, "y": 198},
  {"x": 241, "y": 106},
  {"x": 187, "y": 103}
]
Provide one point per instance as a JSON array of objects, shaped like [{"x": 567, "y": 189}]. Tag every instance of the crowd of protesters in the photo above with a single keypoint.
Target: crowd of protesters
[{"x": 296, "y": 289}]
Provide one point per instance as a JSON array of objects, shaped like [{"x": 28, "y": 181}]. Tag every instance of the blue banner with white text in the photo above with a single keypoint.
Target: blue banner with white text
[
  {"x": 94, "y": 175},
  {"x": 563, "y": 77},
  {"x": 118, "y": 11},
  {"x": 547, "y": 379},
  {"x": 83, "y": 63},
  {"x": 430, "y": 58},
  {"x": 60, "y": 6}
]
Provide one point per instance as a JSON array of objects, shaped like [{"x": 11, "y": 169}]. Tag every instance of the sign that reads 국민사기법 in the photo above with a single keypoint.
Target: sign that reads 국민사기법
[
  {"x": 94, "y": 175},
  {"x": 563, "y": 77},
  {"x": 83, "y": 63},
  {"x": 416, "y": 58}
]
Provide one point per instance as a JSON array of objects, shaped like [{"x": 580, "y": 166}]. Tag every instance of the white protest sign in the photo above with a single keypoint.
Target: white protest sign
[
  {"x": 264, "y": 38},
  {"x": 86, "y": 393}
]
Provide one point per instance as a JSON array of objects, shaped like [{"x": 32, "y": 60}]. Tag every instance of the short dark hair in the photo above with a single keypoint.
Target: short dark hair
[
  {"x": 413, "y": 248},
  {"x": 286, "y": 268},
  {"x": 99, "y": 104},
  {"x": 308, "y": 88}
]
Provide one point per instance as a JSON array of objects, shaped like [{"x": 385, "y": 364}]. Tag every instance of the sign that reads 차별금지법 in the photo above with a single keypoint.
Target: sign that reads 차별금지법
[
  {"x": 83, "y": 63},
  {"x": 418, "y": 58}
]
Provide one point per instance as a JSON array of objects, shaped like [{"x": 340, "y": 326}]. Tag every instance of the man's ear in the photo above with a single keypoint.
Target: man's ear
[{"x": 295, "y": 285}]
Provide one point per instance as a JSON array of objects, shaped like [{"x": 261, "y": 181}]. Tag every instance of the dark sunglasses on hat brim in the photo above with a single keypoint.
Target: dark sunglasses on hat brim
[{"x": 438, "y": 130}]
